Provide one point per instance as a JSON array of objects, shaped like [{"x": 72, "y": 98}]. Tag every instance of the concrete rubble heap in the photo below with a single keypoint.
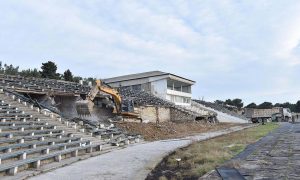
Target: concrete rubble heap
[
  {"x": 113, "y": 135},
  {"x": 142, "y": 98},
  {"x": 220, "y": 108}
]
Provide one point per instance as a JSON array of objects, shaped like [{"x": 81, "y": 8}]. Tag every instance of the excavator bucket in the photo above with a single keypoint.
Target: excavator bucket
[{"x": 84, "y": 107}]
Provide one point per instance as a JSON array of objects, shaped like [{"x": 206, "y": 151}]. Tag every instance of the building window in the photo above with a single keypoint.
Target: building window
[{"x": 187, "y": 100}]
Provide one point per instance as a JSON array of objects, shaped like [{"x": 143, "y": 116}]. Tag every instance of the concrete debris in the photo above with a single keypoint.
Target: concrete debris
[
  {"x": 98, "y": 129},
  {"x": 178, "y": 113},
  {"x": 220, "y": 108}
]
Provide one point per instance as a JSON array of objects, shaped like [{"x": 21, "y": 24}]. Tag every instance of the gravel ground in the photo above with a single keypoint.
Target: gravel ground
[
  {"x": 171, "y": 130},
  {"x": 276, "y": 156}
]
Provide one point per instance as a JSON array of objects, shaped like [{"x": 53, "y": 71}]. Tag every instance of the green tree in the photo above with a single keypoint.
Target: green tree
[
  {"x": 68, "y": 76},
  {"x": 1, "y": 68},
  {"x": 219, "y": 102},
  {"x": 49, "y": 70},
  {"x": 251, "y": 105},
  {"x": 237, "y": 103},
  {"x": 297, "y": 107},
  {"x": 228, "y": 102},
  {"x": 89, "y": 79},
  {"x": 286, "y": 105},
  {"x": 265, "y": 105},
  {"x": 77, "y": 79},
  {"x": 11, "y": 70},
  {"x": 30, "y": 73}
]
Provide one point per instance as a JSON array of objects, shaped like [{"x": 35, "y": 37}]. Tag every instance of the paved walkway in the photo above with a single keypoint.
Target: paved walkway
[
  {"x": 133, "y": 162},
  {"x": 276, "y": 156}
]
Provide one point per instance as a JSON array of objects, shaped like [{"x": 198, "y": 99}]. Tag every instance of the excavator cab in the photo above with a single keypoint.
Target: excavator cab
[{"x": 127, "y": 106}]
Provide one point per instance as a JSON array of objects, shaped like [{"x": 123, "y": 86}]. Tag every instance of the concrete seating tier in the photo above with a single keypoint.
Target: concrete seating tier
[
  {"x": 12, "y": 167},
  {"x": 41, "y": 85},
  {"x": 107, "y": 131},
  {"x": 33, "y": 138},
  {"x": 48, "y": 141},
  {"x": 30, "y": 138}
]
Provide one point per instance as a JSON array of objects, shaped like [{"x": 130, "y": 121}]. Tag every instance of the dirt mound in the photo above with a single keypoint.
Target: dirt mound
[{"x": 169, "y": 130}]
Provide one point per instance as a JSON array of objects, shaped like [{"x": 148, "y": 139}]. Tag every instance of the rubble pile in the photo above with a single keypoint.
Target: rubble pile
[
  {"x": 142, "y": 98},
  {"x": 113, "y": 134},
  {"x": 220, "y": 108}
]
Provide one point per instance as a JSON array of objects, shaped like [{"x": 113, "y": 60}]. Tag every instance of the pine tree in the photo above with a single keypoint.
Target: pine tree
[
  {"x": 68, "y": 76},
  {"x": 49, "y": 70}
]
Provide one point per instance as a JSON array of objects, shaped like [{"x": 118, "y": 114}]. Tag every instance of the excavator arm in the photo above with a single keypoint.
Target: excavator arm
[
  {"x": 114, "y": 93},
  {"x": 85, "y": 106}
]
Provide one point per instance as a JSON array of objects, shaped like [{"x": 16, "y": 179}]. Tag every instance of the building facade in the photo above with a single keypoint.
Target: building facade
[{"x": 164, "y": 85}]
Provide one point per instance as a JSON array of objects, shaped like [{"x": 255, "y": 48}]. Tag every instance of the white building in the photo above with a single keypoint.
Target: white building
[{"x": 165, "y": 85}]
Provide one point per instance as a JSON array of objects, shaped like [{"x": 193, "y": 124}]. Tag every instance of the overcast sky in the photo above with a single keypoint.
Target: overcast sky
[{"x": 245, "y": 49}]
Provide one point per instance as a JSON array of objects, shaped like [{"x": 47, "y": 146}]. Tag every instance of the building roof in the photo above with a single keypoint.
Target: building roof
[{"x": 142, "y": 75}]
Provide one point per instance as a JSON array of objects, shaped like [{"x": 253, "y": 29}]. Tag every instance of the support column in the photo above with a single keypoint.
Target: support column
[
  {"x": 37, "y": 164},
  {"x": 58, "y": 158},
  {"x": 74, "y": 153},
  {"x": 13, "y": 171}
]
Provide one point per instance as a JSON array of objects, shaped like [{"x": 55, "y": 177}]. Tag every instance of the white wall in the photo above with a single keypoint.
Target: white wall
[
  {"x": 129, "y": 82},
  {"x": 159, "y": 88}
]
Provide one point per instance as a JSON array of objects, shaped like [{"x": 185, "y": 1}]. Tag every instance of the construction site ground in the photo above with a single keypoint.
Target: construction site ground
[
  {"x": 170, "y": 130},
  {"x": 201, "y": 157},
  {"x": 133, "y": 162}
]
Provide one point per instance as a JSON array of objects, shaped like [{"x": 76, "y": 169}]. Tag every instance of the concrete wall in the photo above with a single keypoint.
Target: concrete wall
[
  {"x": 129, "y": 82},
  {"x": 66, "y": 105},
  {"x": 179, "y": 116},
  {"x": 146, "y": 87},
  {"x": 159, "y": 88},
  {"x": 163, "y": 114},
  {"x": 154, "y": 114}
]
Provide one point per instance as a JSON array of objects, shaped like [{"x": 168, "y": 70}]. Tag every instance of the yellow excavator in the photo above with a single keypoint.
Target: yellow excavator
[{"x": 85, "y": 107}]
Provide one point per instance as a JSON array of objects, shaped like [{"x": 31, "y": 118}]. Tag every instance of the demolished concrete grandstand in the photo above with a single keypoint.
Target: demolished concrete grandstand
[
  {"x": 39, "y": 123},
  {"x": 223, "y": 114}
]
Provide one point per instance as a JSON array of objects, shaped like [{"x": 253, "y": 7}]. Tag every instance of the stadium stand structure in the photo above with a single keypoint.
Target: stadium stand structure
[
  {"x": 31, "y": 137},
  {"x": 142, "y": 98},
  {"x": 33, "y": 134},
  {"x": 224, "y": 115},
  {"x": 41, "y": 85},
  {"x": 52, "y": 87}
]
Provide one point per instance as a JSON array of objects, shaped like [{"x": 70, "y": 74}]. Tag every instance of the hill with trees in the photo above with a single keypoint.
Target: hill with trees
[{"x": 48, "y": 70}]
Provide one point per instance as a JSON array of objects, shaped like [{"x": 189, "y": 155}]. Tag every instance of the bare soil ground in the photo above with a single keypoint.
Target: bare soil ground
[
  {"x": 170, "y": 130},
  {"x": 202, "y": 157}
]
